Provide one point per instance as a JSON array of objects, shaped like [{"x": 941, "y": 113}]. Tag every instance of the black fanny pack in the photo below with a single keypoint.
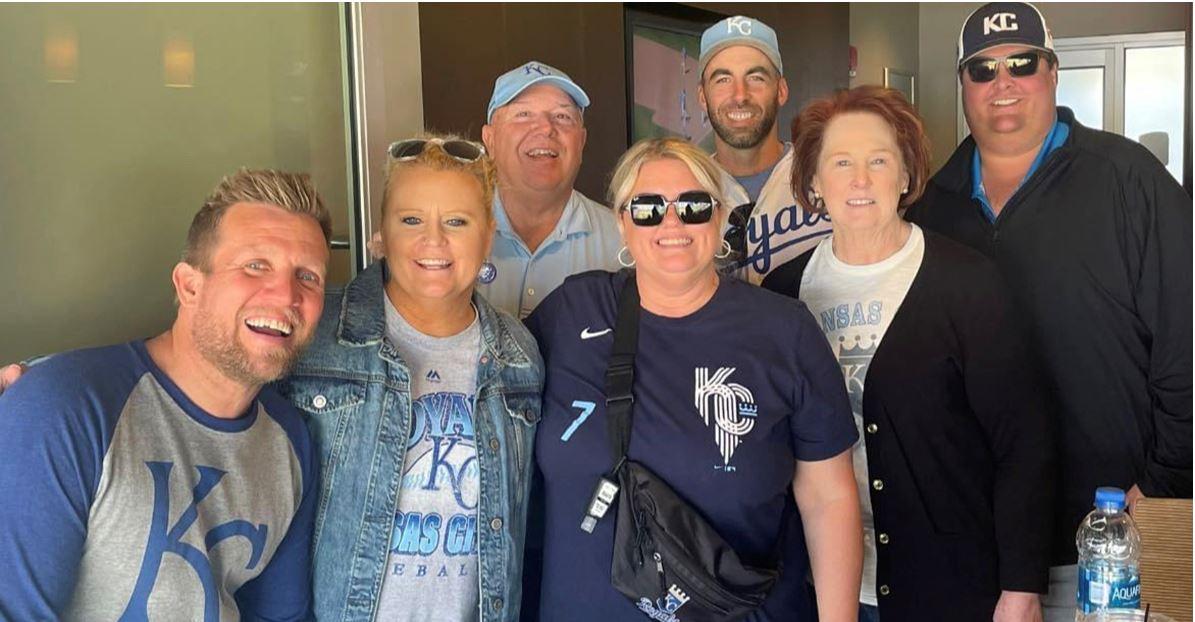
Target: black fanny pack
[{"x": 667, "y": 559}]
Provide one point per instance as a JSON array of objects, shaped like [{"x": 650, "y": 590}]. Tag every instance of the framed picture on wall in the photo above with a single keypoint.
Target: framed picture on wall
[
  {"x": 903, "y": 81},
  {"x": 663, "y": 44}
]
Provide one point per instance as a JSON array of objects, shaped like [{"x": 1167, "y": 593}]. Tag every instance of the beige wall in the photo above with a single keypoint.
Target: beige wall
[
  {"x": 884, "y": 35},
  {"x": 392, "y": 85},
  {"x": 939, "y": 26},
  {"x": 103, "y": 166}
]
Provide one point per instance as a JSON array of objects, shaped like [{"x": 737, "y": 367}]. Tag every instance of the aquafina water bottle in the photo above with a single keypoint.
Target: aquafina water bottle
[{"x": 1109, "y": 554}]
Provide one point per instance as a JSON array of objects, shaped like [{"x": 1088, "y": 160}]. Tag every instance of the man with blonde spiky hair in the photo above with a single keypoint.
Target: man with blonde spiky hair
[{"x": 160, "y": 478}]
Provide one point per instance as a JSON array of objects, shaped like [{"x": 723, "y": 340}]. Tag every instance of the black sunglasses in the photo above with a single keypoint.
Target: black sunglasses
[
  {"x": 736, "y": 229},
  {"x": 463, "y": 150},
  {"x": 693, "y": 208},
  {"x": 983, "y": 69}
]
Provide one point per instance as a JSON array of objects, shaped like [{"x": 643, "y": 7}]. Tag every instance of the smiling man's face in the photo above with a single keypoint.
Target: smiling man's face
[
  {"x": 536, "y": 140},
  {"x": 1011, "y": 113},
  {"x": 742, "y": 91}
]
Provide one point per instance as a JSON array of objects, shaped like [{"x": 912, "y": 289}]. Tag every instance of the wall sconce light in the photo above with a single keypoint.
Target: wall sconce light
[
  {"x": 61, "y": 54},
  {"x": 178, "y": 62}
]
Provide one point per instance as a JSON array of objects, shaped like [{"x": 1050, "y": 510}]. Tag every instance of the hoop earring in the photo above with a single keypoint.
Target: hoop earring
[
  {"x": 626, "y": 263},
  {"x": 487, "y": 273},
  {"x": 723, "y": 252}
]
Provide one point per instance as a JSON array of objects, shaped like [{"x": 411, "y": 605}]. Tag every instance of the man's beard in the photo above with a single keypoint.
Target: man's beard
[
  {"x": 746, "y": 138},
  {"x": 232, "y": 359}
]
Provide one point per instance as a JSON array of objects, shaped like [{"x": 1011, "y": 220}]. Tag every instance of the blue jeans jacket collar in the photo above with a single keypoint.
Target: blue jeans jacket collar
[{"x": 363, "y": 319}]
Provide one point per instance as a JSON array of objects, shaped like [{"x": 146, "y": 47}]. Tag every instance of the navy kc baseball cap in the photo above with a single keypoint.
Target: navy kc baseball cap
[
  {"x": 510, "y": 84},
  {"x": 1001, "y": 23},
  {"x": 739, "y": 30}
]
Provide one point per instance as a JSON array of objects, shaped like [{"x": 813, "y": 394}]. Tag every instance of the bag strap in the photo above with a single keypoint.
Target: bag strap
[{"x": 620, "y": 372}]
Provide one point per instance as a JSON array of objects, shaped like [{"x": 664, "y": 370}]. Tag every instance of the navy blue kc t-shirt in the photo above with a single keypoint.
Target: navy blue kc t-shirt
[{"x": 726, "y": 400}]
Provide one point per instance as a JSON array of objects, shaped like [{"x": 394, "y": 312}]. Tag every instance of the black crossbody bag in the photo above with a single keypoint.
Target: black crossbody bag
[{"x": 667, "y": 559}]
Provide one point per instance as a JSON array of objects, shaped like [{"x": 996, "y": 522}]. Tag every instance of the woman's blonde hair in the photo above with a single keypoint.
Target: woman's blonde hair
[
  {"x": 626, "y": 172},
  {"x": 435, "y": 158}
]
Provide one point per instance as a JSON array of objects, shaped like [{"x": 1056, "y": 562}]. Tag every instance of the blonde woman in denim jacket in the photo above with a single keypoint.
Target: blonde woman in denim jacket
[{"x": 423, "y": 399}]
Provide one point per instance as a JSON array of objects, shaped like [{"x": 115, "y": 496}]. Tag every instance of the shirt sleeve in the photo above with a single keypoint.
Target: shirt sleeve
[
  {"x": 1163, "y": 303},
  {"x": 282, "y": 592},
  {"x": 52, "y": 440},
  {"x": 822, "y": 424},
  {"x": 1003, "y": 389}
]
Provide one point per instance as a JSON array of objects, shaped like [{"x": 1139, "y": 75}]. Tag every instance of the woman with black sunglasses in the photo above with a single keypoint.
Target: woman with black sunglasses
[
  {"x": 737, "y": 405},
  {"x": 955, "y": 468}
]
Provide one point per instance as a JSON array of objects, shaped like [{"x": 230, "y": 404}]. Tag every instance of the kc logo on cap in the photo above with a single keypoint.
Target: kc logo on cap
[
  {"x": 739, "y": 23},
  {"x": 1003, "y": 23},
  {"x": 999, "y": 22}
]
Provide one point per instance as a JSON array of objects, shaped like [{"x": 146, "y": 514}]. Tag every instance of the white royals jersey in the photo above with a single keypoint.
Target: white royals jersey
[{"x": 778, "y": 229}]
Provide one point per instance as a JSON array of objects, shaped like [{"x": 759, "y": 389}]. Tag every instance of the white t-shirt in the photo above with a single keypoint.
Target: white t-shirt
[
  {"x": 431, "y": 572},
  {"x": 854, "y": 305}
]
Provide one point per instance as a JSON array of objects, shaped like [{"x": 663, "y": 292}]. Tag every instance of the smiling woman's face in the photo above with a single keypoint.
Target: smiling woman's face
[
  {"x": 860, "y": 173},
  {"x": 436, "y": 231}
]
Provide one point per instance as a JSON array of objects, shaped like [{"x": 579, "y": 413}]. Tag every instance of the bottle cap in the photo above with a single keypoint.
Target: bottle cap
[{"x": 1109, "y": 496}]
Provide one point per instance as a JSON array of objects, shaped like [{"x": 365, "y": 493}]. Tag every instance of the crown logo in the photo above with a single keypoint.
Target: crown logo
[{"x": 858, "y": 350}]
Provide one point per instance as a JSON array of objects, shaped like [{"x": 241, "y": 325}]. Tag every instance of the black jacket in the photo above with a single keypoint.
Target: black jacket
[
  {"x": 958, "y": 436},
  {"x": 1096, "y": 246}
]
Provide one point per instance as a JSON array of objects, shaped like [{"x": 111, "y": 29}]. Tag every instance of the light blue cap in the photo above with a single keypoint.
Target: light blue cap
[
  {"x": 739, "y": 30},
  {"x": 510, "y": 84}
]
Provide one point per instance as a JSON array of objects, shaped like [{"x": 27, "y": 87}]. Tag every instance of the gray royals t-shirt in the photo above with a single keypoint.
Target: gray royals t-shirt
[
  {"x": 431, "y": 573},
  {"x": 854, "y": 305}
]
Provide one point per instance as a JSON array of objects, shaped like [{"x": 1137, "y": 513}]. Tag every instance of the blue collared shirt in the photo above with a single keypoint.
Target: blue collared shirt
[
  {"x": 1055, "y": 139},
  {"x": 586, "y": 238}
]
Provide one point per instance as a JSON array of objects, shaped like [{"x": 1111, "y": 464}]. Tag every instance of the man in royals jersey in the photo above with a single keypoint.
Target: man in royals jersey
[{"x": 742, "y": 89}]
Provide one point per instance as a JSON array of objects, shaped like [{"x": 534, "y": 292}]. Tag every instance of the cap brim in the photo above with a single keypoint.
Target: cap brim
[
  {"x": 1027, "y": 44},
  {"x": 747, "y": 41},
  {"x": 568, "y": 86}
]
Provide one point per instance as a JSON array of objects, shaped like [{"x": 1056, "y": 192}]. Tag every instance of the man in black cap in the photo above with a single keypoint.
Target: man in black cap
[{"x": 1094, "y": 237}]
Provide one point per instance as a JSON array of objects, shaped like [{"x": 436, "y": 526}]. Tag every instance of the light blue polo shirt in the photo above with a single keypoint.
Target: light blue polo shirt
[
  {"x": 1055, "y": 139},
  {"x": 586, "y": 238}
]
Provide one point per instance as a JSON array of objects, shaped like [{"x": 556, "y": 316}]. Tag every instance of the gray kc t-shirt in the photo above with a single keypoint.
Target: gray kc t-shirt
[{"x": 431, "y": 573}]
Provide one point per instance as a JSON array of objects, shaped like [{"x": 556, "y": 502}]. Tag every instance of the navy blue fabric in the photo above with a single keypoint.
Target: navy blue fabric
[{"x": 760, "y": 353}]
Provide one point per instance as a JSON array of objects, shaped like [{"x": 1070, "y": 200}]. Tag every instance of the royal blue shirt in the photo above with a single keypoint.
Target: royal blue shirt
[{"x": 748, "y": 360}]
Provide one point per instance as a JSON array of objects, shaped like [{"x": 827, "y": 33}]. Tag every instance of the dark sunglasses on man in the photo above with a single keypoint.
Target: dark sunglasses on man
[
  {"x": 694, "y": 207},
  {"x": 409, "y": 149},
  {"x": 984, "y": 68}
]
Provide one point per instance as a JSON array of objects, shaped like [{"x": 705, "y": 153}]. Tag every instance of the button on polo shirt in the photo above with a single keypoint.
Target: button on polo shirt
[{"x": 585, "y": 238}]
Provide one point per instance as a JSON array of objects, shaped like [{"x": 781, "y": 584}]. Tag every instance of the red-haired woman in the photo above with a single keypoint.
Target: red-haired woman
[{"x": 955, "y": 465}]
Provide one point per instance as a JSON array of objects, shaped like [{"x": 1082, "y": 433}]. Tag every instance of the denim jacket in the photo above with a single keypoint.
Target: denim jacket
[{"x": 355, "y": 391}]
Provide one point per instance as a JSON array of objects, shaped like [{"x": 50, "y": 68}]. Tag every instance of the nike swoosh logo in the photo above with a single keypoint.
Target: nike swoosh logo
[{"x": 585, "y": 334}]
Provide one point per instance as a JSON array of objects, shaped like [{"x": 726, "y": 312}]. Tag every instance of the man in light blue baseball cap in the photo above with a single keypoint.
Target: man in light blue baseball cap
[
  {"x": 510, "y": 84},
  {"x": 546, "y": 230},
  {"x": 742, "y": 89}
]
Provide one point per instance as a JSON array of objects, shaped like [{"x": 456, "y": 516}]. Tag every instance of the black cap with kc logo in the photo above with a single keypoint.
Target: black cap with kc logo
[{"x": 1001, "y": 23}]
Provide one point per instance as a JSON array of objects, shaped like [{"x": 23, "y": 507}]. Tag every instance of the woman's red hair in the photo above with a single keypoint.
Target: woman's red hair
[{"x": 810, "y": 126}]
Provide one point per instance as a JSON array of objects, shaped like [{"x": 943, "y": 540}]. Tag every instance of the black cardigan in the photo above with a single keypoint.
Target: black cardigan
[{"x": 959, "y": 449}]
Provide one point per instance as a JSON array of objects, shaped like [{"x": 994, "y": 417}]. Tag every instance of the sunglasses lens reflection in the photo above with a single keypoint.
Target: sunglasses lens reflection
[
  {"x": 462, "y": 150},
  {"x": 1019, "y": 66},
  {"x": 693, "y": 208}
]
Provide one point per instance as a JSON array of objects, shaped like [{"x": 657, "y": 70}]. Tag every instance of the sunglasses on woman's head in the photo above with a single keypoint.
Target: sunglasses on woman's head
[
  {"x": 463, "y": 150},
  {"x": 983, "y": 68},
  {"x": 693, "y": 208}
]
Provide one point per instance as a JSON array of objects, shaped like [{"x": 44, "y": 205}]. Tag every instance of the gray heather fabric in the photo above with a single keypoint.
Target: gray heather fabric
[
  {"x": 159, "y": 464},
  {"x": 431, "y": 573}
]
